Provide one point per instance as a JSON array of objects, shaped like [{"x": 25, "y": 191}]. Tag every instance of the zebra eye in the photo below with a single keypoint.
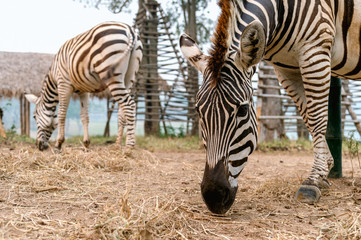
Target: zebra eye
[
  {"x": 242, "y": 110},
  {"x": 196, "y": 108},
  {"x": 244, "y": 106}
]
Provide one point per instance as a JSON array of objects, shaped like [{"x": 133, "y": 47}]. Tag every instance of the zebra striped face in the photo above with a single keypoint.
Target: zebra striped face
[
  {"x": 226, "y": 111},
  {"x": 46, "y": 121},
  {"x": 229, "y": 137}
]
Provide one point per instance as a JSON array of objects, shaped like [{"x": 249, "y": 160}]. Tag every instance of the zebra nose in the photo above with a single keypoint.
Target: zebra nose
[
  {"x": 219, "y": 199},
  {"x": 42, "y": 145},
  {"x": 216, "y": 190}
]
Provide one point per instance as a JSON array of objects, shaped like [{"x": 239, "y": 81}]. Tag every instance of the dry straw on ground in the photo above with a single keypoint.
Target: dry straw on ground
[
  {"x": 82, "y": 193},
  {"x": 107, "y": 192}
]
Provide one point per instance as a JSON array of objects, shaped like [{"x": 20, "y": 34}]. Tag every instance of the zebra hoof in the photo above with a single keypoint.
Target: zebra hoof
[
  {"x": 325, "y": 184},
  {"x": 57, "y": 150},
  {"x": 308, "y": 194},
  {"x": 86, "y": 143},
  {"x": 131, "y": 146}
]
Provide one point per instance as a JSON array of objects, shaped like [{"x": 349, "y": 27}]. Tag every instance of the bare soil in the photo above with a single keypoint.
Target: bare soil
[{"x": 106, "y": 192}]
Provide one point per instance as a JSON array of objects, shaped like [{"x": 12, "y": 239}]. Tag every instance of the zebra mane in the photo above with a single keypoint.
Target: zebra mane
[{"x": 219, "y": 40}]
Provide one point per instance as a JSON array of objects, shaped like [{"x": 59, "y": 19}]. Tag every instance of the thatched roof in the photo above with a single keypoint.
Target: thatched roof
[{"x": 24, "y": 72}]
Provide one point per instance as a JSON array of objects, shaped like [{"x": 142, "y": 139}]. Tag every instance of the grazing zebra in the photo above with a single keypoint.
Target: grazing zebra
[
  {"x": 306, "y": 42},
  {"x": 106, "y": 56}
]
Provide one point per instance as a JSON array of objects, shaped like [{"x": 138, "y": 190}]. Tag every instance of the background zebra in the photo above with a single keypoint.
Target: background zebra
[
  {"x": 106, "y": 56},
  {"x": 307, "y": 42}
]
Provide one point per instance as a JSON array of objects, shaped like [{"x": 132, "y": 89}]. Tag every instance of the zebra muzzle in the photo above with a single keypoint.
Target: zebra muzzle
[
  {"x": 217, "y": 192},
  {"x": 42, "y": 145}
]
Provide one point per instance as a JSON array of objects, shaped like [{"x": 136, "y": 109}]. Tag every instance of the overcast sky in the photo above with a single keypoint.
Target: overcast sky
[{"x": 44, "y": 25}]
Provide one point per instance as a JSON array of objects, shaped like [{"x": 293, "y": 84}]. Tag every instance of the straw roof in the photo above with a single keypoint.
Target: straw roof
[{"x": 24, "y": 72}]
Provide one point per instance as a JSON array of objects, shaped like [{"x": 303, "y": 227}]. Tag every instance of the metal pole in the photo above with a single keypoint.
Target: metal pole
[{"x": 334, "y": 132}]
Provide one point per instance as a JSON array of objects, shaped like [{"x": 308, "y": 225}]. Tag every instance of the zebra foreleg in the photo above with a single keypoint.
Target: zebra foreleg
[
  {"x": 314, "y": 113},
  {"x": 129, "y": 115},
  {"x": 310, "y": 190},
  {"x": 121, "y": 124},
  {"x": 317, "y": 117},
  {"x": 65, "y": 92},
  {"x": 84, "y": 116}
]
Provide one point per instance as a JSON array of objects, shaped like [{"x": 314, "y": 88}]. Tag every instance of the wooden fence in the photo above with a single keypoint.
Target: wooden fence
[
  {"x": 285, "y": 112},
  {"x": 164, "y": 95}
]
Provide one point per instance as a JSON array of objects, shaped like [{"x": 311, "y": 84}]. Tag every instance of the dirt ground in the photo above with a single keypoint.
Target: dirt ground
[{"x": 110, "y": 193}]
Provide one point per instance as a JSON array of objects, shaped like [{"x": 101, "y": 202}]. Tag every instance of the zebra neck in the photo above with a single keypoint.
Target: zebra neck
[
  {"x": 243, "y": 13},
  {"x": 235, "y": 16},
  {"x": 49, "y": 92}
]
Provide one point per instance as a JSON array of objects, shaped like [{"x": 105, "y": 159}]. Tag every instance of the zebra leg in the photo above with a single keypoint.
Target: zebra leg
[
  {"x": 65, "y": 91},
  {"x": 84, "y": 116},
  {"x": 121, "y": 124},
  {"x": 316, "y": 81},
  {"x": 311, "y": 98},
  {"x": 124, "y": 99},
  {"x": 128, "y": 107},
  {"x": 121, "y": 93}
]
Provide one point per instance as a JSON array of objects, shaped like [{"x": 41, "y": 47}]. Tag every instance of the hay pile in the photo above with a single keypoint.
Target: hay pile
[
  {"x": 107, "y": 192},
  {"x": 89, "y": 194}
]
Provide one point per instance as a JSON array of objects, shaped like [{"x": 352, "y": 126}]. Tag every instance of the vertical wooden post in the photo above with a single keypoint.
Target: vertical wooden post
[
  {"x": 269, "y": 129},
  {"x": 21, "y": 114},
  {"x": 191, "y": 29},
  {"x": 150, "y": 66},
  {"x": 259, "y": 107},
  {"x": 109, "y": 116},
  {"x": 27, "y": 117},
  {"x": 24, "y": 116},
  {"x": 2, "y": 131}
]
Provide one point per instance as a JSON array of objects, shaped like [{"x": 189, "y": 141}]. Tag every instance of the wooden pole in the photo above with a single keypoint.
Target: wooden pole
[
  {"x": 2, "y": 131},
  {"x": 22, "y": 131},
  {"x": 345, "y": 92},
  {"x": 27, "y": 117},
  {"x": 109, "y": 115},
  {"x": 24, "y": 116}
]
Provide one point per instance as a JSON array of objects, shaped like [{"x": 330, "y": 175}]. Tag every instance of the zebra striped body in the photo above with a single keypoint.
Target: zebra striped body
[
  {"x": 306, "y": 42},
  {"x": 106, "y": 56}
]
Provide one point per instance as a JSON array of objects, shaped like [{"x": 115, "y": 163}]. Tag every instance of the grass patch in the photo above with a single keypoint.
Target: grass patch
[
  {"x": 169, "y": 143},
  {"x": 12, "y": 137},
  {"x": 286, "y": 145},
  {"x": 145, "y": 142},
  {"x": 351, "y": 146},
  {"x": 96, "y": 140}
]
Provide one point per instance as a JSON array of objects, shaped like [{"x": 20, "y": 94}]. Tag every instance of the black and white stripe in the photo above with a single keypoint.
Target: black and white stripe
[
  {"x": 106, "y": 56},
  {"x": 306, "y": 42}
]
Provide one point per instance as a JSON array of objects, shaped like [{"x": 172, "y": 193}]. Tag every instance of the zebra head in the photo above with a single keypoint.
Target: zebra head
[
  {"x": 46, "y": 121},
  {"x": 226, "y": 112}
]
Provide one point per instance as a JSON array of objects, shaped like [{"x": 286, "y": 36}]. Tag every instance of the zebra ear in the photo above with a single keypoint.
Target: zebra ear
[
  {"x": 252, "y": 45},
  {"x": 192, "y": 53},
  {"x": 32, "y": 98}
]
